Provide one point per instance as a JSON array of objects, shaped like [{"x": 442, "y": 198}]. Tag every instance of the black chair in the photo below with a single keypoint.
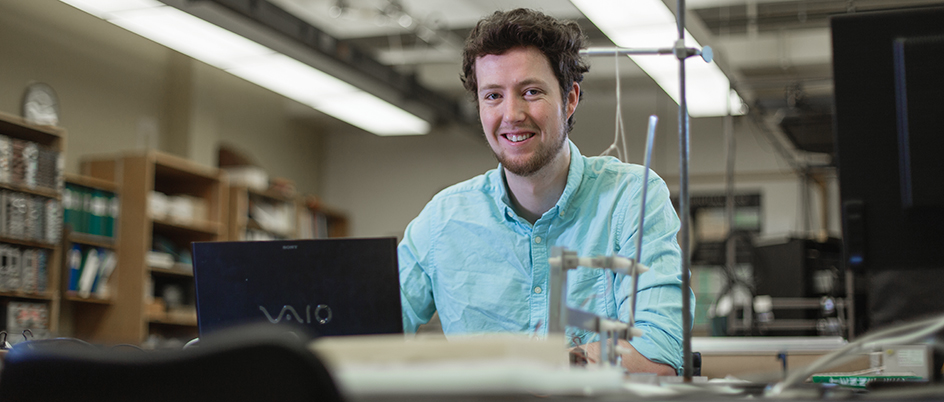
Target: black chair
[
  {"x": 696, "y": 364},
  {"x": 256, "y": 363}
]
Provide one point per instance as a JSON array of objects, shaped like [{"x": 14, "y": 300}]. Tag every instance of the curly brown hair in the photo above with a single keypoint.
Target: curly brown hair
[{"x": 559, "y": 41}]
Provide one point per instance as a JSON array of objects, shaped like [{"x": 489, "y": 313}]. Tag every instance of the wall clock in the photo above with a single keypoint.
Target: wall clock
[{"x": 41, "y": 105}]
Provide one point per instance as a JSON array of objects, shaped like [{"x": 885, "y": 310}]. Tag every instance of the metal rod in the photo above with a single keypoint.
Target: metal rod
[
  {"x": 608, "y": 51},
  {"x": 604, "y": 348},
  {"x": 729, "y": 157},
  {"x": 705, "y": 52},
  {"x": 684, "y": 203},
  {"x": 650, "y": 139},
  {"x": 681, "y": 53},
  {"x": 730, "y": 243}
]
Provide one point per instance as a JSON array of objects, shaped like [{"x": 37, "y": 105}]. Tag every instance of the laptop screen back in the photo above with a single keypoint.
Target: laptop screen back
[{"x": 327, "y": 286}]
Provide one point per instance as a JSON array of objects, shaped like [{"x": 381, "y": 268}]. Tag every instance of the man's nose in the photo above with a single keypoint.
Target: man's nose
[{"x": 515, "y": 109}]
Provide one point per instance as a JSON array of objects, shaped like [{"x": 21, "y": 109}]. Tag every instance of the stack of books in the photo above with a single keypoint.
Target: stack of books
[
  {"x": 29, "y": 217},
  {"x": 23, "y": 269},
  {"x": 23, "y": 316},
  {"x": 30, "y": 164},
  {"x": 90, "y": 211},
  {"x": 89, "y": 270}
]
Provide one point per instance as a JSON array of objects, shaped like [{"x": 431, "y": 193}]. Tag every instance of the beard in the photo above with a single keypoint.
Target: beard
[{"x": 528, "y": 167}]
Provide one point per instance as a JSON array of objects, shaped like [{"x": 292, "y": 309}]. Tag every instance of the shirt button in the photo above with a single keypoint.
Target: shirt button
[
  {"x": 537, "y": 240},
  {"x": 537, "y": 289}
]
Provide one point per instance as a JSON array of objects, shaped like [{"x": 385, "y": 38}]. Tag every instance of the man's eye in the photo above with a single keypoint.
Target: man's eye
[
  {"x": 490, "y": 96},
  {"x": 532, "y": 92}
]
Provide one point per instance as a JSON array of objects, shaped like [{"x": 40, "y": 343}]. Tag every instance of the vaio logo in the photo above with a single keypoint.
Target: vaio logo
[{"x": 321, "y": 314}]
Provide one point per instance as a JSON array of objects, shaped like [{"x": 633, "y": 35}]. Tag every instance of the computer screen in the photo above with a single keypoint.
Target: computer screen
[{"x": 889, "y": 127}]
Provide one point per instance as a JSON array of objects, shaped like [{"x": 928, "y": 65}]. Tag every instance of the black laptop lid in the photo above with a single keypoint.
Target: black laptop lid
[{"x": 327, "y": 286}]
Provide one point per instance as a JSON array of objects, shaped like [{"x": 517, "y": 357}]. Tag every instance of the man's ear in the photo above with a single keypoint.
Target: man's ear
[{"x": 572, "y": 98}]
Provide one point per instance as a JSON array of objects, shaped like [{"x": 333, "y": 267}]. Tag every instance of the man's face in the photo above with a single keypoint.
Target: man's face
[{"x": 523, "y": 115}]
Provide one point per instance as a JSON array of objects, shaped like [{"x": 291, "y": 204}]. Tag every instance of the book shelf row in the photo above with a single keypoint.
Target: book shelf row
[
  {"x": 31, "y": 182},
  {"x": 76, "y": 251},
  {"x": 23, "y": 270}
]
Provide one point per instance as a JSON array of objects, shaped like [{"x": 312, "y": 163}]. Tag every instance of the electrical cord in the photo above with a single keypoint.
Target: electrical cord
[{"x": 619, "y": 135}]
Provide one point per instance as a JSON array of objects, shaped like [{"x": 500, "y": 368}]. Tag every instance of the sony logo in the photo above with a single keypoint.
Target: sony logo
[
  {"x": 321, "y": 314},
  {"x": 290, "y": 247}
]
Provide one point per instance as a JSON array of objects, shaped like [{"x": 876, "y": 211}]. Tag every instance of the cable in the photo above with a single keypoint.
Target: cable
[{"x": 619, "y": 132}]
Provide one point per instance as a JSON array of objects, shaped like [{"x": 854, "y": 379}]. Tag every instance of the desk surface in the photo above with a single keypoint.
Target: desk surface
[
  {"x": 520, "y": 368},
  {"x": 766, "y": 344}
]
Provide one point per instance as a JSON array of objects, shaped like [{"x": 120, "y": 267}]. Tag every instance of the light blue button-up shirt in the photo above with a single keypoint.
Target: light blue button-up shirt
[{"x": 469, "y": 256}]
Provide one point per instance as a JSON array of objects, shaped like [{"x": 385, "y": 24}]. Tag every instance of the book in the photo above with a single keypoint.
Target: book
[
  {"x": 5, "y": 268},
  {"x": 11, "y": 270},
  {"x": 98, "y": 208},
  {"x": 85, "y": 209},
  {"x": 4, "y": 211},
  {"x": 60, "y": 171},
  {"x": 75, "y": 266},
  {"x": 16, "y": 204},
  {"x": 69, "y": 212},
  {"x": 47, "y": 172},
  {"x": 107, "y": 266},
  {"x": 53, "y": 224},
  {"x": 35, "y": 211},
  {"x": 17, "y": 163},
  {"x": 31, "y": 163},
  {"x": 29, "y": 271},
  {"x": 14, "y": 270},
  {"x": 42, "y": 259},
  {"x": 90, "y": 267},
  {"x": 111, "y": 217},
  {"x": 6, "y": 151}
]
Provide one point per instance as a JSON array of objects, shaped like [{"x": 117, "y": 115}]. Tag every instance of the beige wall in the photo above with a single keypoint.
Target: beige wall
[
  {"x": 121, "y": 92},
  {"x": 387, "y": 181}
]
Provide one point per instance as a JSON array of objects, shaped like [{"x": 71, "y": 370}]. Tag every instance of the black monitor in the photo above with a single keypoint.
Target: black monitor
[{"x": 889, "y": 92}]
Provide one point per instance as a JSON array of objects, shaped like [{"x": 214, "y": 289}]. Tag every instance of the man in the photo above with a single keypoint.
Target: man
[{"x": 478, "y": 252}]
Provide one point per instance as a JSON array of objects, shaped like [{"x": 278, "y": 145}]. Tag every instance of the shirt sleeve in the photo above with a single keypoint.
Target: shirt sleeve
[
  {"x": 659, "y": 296},
  {"x": 416, "y": 295}
]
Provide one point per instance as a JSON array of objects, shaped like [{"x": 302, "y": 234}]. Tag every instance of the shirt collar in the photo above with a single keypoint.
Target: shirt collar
[
  {"x": 506, "y": 199},
  {"x": 574, "y": 176}
]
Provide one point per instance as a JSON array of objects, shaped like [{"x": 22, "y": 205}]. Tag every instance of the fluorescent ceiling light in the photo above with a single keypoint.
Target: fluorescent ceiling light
[
  {"x": 256, "y": 63},
  {"x": 329, "y": 95},
  {"x": 650, "y": 24}
]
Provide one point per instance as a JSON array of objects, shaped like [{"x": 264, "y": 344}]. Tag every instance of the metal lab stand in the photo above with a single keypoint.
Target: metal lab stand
[{"x": 681, "y": 53}]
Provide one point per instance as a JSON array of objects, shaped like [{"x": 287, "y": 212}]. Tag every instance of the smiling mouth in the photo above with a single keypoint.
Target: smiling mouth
[{"x": 517, "y": 137}]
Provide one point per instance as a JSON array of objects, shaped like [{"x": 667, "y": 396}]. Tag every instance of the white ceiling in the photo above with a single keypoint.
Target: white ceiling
[
  {"x": 777, "y": 52},
  {"x": 362, "y": 19},
  {"x": 766, "y": 45},
  {"x": 376, "y": 25}
]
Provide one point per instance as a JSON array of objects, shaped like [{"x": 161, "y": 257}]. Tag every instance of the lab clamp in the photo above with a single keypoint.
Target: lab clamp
[{"x": 561, "y": 315}]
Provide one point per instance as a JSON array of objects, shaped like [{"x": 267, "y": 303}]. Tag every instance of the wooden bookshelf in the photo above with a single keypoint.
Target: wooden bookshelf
[
  {"x": 83, "y": 313},
  {"x": 317, "y": 220},
  {"x": 246, "y": 223},
  {"x": 44, "y": 186},
  {"x": 137, "y": 311}
]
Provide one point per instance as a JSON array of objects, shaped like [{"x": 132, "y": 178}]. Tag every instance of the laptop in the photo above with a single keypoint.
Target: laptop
[{"x": 326, "y": 287}]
